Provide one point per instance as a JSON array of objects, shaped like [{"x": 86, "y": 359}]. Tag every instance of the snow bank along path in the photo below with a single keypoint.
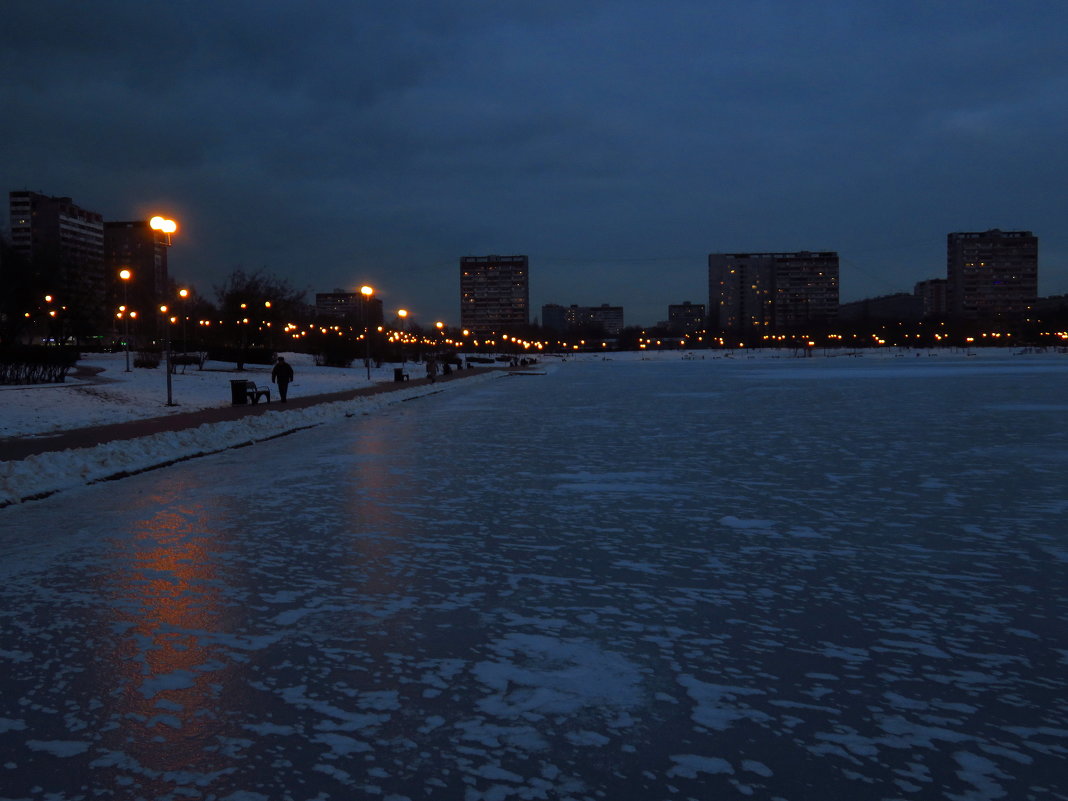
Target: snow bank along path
[{"x": 46, "y": 473}]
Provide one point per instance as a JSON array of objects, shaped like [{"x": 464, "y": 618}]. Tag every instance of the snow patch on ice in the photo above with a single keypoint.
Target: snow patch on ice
[
  {"x": 59, "y": 748},
  {"x": 538, "y": 675},
  {"x": 980, "y": 773},
  {"x": 717, "y": 705},
  {"x": 741, "y": 523},
  {"x": 178, "y": 680},
  {"x": 688, "y": 766}
]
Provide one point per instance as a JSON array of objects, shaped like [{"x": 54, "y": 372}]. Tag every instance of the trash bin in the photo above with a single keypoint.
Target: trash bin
[
  {"x": 237, "y": 392},
  {"x": 398, "y": 374}
]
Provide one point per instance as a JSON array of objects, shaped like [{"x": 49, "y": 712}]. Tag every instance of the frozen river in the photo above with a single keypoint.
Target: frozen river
[{"x": 800, "y": 579}]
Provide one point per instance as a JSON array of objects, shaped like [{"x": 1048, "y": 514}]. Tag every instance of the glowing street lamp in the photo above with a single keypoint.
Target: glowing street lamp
[
  {"x": 167, "y": 350},
  {"x": 126, "y": 275},
  {"x": 402, "y": 315},
  {"x": 164, "y": 226},
  {"x": 184, "y": 295},
  {"x": 367, "y": 292}
]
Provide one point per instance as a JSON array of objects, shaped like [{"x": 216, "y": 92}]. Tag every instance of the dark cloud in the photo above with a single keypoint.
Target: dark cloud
[{"x": 615, "y": 143}]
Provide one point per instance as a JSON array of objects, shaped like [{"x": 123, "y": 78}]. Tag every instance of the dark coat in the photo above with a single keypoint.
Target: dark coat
[{"x": 282, "y": 373}]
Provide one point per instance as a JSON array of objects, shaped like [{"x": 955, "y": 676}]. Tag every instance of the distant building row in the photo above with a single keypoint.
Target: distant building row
[
  {"x": 989, "y": 275},
  {"x": 76, "y": 254}
]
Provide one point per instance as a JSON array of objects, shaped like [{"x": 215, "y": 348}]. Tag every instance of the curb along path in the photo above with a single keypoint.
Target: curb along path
[{"x": 17, "y": 448}]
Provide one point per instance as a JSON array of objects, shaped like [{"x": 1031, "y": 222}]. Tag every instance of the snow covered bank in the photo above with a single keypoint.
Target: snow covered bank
[
  {"x": 112, "y": 395},
  {"x": 46, "y": 473}
]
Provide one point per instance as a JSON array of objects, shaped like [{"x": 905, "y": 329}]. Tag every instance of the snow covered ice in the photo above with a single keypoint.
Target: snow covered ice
[{"x": 771, "y": 578}]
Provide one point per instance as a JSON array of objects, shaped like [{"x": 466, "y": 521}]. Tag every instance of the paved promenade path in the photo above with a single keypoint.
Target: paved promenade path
[{"x": 16, "y": 448}]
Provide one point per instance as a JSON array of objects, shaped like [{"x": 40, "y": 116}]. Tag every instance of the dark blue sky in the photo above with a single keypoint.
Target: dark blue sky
[{"x": 615, "y": 143}]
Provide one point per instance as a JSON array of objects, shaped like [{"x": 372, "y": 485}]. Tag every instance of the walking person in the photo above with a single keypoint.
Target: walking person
[
  {"x": 282, "y": 374},
  {"x": 432, "y": 368}
]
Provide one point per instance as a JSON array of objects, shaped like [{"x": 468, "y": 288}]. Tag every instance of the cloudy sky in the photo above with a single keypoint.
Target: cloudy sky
[{"x": 616, "y": 143}]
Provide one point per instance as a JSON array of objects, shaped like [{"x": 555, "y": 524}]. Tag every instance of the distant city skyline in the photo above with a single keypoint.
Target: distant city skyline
[
  {"x": 615, "y": 144},
  {"x": 989, "y": 274}
]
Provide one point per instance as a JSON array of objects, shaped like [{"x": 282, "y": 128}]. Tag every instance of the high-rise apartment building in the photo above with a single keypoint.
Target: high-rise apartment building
[
  {"x": 686, "y": 316},
  {"x": 136, "y": 247},
  {"x": 494, "y": 293},
  {"x": 758, "y": 292},
  {"x": 64, "y": 243},
  {"x": 603, "y": 319},
  {"x": 352, "y": 307},
  {"x": 991, "y": 274},
  {"x": 932, "y": 296}
]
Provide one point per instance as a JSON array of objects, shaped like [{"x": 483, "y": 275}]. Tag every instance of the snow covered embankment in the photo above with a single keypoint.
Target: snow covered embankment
[{"x": 43, "y": 474}]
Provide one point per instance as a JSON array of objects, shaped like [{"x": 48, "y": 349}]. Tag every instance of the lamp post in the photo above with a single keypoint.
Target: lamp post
[
  {"x": 242, "y": 324},
  {"x": 184, "y": 295},
  {"x": 270, "y": 330},
  {"x": 167, "y": 351},
  {"x": 126, "y": 275},
  {"x": 403, "y": 315},
  {"x": 367, "y": 292},
  {"x": 166, "y": 227}
]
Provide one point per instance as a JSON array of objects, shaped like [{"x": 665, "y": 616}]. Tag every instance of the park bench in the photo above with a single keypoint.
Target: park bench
[
  {"x": 255, "y": 393},
  {"x": 245, "y": 391},
  {"x": 183, "y": 360}
]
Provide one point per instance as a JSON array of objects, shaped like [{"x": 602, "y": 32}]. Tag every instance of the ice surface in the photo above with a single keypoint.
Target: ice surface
[{"x": 794, "y": 579}]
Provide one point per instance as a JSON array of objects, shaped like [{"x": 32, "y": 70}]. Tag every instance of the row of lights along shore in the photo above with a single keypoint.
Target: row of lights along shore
[{"x": 168, "y": 227}]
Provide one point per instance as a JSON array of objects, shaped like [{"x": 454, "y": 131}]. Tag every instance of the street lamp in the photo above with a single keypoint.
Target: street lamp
[
  {"x": 367, "y": 292},
  {"x": 402, "y": 315},
  {"x": 126, "y": 275},
  {"x": 167, "y": 350},
  {"x": 184, "y": 295},
  {"x": 166, "y": 227}
]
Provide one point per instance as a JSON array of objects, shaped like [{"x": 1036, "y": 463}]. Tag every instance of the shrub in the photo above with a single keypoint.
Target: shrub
[
  {"x": 337, "y": 353},
  {"x": 147, "y": 358},
  {"x": 188, "y": 358},
  {"x": 36, "y": 364}
]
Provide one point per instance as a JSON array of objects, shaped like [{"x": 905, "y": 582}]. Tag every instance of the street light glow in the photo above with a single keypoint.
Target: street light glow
[
  {"x": 367, "y": 291},
  {"x": 125, "y": 275},
  {"x": 162, "y": 224}
]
